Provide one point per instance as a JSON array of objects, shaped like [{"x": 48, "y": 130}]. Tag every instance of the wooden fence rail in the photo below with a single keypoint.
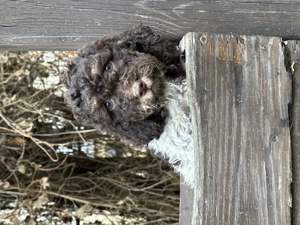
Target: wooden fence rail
[{"x": 69, "y": 24}]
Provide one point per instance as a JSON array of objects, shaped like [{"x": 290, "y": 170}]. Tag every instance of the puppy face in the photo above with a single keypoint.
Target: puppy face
[{"x": 112, "y": 85}]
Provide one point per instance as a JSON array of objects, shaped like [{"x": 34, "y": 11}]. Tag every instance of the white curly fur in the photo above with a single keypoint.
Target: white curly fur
[{"x": 176, "y": 142}]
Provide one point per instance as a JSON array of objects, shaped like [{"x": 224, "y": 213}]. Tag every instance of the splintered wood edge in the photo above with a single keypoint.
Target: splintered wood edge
[
  {"x": 186, "y": 193},
  {"x": 293, "y": 64}
]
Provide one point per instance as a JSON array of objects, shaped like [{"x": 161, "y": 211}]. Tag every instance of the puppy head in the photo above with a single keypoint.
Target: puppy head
[{"x": 108, "y": 84}]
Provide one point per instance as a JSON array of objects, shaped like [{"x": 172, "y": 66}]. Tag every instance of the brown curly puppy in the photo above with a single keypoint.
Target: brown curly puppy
[{"x": 117, "y": 84}]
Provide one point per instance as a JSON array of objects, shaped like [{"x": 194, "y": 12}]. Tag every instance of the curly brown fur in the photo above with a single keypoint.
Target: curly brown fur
[{"x": 117, "y": 84}]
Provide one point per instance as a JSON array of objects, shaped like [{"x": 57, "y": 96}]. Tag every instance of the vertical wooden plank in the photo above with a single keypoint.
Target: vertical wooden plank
[
  {"x": 293, "y": 62},
  {"x": 239, "y": 90},
  {"x": 186, "y": 204},
  {"x": 296, "y": 146}
]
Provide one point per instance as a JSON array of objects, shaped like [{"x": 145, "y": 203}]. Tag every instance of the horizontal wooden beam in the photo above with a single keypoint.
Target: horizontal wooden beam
[
  {"x": 240, "y": 91},
  {"x": 68, "y": 24}
]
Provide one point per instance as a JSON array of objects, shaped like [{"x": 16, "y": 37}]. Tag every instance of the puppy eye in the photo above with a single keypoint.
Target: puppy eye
[
  {"x": 128, "y": 44},
  {"x": 75, "y": 95},
  {"x": 109, "y": 105},
  {"x": 108, "y": 67}
]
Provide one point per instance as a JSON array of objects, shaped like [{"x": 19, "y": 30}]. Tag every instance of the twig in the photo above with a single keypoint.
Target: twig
[{"x": 38, "y": 142}]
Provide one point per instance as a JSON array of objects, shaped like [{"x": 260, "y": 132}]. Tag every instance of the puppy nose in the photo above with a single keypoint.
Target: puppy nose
[{"x": 140, "y": 88}]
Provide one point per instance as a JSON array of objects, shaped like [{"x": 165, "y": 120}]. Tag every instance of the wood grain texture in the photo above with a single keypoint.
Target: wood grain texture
[
  {"x": 69, "y": 24},
  {"x": 293, "y": 60},
  {"x": 186, "y": 204},
  {"x": 240, "y": 90}
]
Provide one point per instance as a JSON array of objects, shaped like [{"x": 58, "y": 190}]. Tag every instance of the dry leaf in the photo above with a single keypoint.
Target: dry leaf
[
  {"x": 44, "y": 182},
  {"x": 18, "y": 141},
  {"x": 81, "y": 212},
  {"x": 22, "y": 168},
  {"x": 4, "y": 185},
  {"x": 42, "y": 200},
  {"x": 26, "y": 124}
]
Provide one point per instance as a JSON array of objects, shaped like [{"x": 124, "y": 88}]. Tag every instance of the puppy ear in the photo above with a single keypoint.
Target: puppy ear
[
  {"x": 145, "y": 35},
  {"x": 65, "y": 75},
  {"x": 137, "y": 38},
  {"x": 93, "y": 48}
]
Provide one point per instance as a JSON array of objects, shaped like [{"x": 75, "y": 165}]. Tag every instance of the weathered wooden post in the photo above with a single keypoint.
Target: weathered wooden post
[
  {"x": 240, "y": 91},
  {"x": 293, "y": 59}
]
